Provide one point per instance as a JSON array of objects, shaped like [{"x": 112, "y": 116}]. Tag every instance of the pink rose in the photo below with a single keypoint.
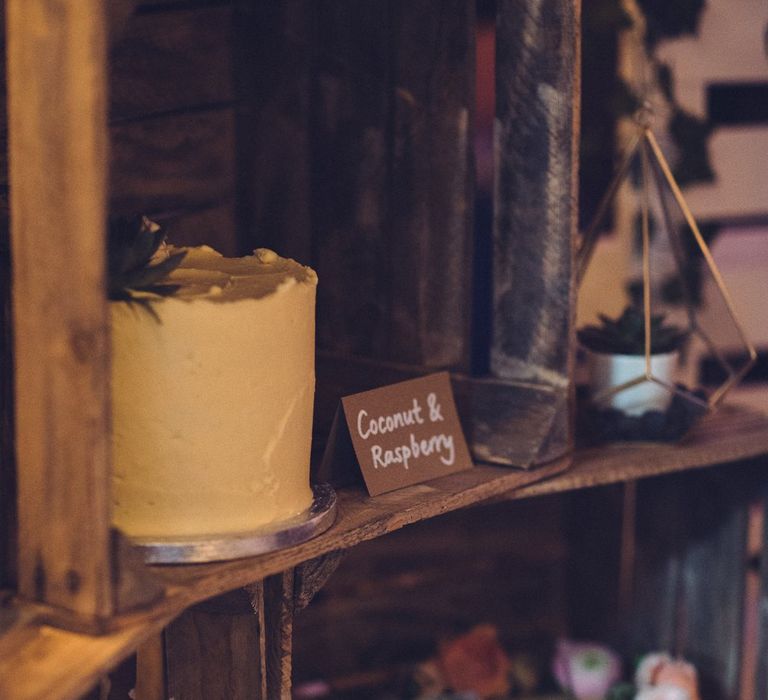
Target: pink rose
[{"x": 586, "y": 670}]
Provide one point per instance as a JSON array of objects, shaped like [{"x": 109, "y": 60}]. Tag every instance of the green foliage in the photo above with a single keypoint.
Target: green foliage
[
  {"x": 626, "y": 334},
  {"x": 132, "y": 244},
  {"x": 691, "y": 135},
  {"x": 667, "y": 19},
  {"x": 622, "y": 691}
]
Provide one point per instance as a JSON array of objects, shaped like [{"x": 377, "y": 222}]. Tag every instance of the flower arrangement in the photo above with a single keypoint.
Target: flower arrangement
[
  {"x": 588, "y": 671},
  {"x": 475, "y": 666}
]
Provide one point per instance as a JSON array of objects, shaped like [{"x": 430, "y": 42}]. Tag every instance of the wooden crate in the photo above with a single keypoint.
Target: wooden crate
[{"x": 338, "y": 131}]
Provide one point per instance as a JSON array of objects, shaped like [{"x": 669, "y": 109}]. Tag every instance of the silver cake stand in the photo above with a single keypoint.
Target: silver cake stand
[{"x": 287, "y": 533}]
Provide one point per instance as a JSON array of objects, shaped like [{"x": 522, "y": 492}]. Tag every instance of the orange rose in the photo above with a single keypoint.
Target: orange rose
[{"x": 476, "y": 662}]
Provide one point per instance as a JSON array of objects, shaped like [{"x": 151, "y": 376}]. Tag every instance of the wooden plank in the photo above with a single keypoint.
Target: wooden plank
[
  {"x": 391, "y": 154},
  {"x": 213, "y": 226},
  {"x": 58, "y": 152},
  {"x": 63, "y": 665},
  {"x": 171, "y": 61},
  {"x": 278, "y": 630},
  {"x": 592, "y": 538},
  {"x": 7, "y": 451},
  {"x": 690, "y": 572},
  {"x": 119, "y": 13},
  {"x": 251, "y": 631},
  {"x": 714, "y": 574},
  {"x": 729, "y": 435},
  {"x": 310, "y": 576},
  {"x": 273, "y": 57},
  {"x": 432, "y": 180},
  {"x": 213, "y": 655},
  {"x": 537, "y": 59},
  {"x": 174, "y": 163},
  {"x": 350, "y": 176},
  {"x": 150, "y": 669}
]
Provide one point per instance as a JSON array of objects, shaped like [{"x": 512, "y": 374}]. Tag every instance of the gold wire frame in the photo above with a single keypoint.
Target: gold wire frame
[{"x": 656, "y": 168}]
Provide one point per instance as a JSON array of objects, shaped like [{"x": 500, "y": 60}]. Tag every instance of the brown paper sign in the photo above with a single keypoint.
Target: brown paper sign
[{"x": 406, "y": 433}]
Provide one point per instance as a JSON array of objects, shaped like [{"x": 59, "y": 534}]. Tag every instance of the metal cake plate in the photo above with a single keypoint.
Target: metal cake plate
[{"x": 287, "y": 533}]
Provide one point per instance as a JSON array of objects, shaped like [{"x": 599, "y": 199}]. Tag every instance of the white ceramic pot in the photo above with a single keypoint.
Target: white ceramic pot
[{"x": 607, "y": 371}]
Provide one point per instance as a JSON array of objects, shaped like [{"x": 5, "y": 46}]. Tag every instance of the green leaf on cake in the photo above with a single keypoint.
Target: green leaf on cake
[{"x": 133, "y": 244}]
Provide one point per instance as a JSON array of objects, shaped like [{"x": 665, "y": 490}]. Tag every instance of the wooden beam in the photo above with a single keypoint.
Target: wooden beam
[
  {"x": 276, "y": 621},
  {"x": 236, "y": 646},
  {"x": 391, "y": 178},
  {"x": 537, "y": 108},
  {"x": 273, "y": 55},
  {"x": 150, "y": 669},
  {"x": 429, "y": 232},
  {"x": 7, "y": 450},
  {"x": 214, "y": 655},
  {"x": 58, "y": 158}
]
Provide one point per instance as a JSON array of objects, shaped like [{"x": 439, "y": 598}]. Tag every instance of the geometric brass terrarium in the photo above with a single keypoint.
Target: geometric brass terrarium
[{"x": 655, "y": 171}]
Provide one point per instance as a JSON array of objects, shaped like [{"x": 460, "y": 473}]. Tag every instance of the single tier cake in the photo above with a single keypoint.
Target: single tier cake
[{"x": 212, "y": 392}]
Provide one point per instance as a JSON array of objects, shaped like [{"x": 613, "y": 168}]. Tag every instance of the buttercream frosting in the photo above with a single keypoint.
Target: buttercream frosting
[{"x": 212, "y": 395}]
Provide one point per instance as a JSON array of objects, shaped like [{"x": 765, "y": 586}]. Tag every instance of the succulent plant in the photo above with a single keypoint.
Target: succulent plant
[
  {"x": 133, "y": 243},
  {"x": 626, "y": 334}
]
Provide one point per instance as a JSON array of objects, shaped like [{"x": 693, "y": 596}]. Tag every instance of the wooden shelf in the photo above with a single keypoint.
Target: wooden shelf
[
  {"x": 733, "y": 433},
  {"x": 37, "y": 661}
]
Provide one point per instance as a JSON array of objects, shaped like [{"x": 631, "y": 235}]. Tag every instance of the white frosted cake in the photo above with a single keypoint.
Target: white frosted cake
[{"x": 212, "y": 392}]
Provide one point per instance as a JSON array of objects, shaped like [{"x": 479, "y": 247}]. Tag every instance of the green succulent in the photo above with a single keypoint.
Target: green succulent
[
  {"x": 622, "y": 691},
  {"x": 626, "y": 334},
  {"x": 132, "y": 243}
]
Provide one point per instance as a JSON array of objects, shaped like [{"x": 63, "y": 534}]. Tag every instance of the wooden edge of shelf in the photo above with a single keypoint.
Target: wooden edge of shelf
[
  {"x": 732, "y": 434},
  {"x": 38, "y": 661}
]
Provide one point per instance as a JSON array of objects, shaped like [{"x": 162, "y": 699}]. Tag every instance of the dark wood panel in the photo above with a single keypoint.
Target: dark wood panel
[
  {"x": 151, "y": 6},
  {"x": 592, "y": 537},
  {"x": 393, "y": 600},
  {"x": 350, "y": 177},
  {"x": 273, "y": 58},
  {"x": 690, "y": 571},
  {"x": 392, "y": 179},
  {"x": 173, "y": 163},
  {"x": 236, "y": 646},
  {"x": 212, "y": 655},
  {"x": 537, "y": 59},
  {"x": 212, "y": 226},
  {"x": 432, "y": 181},
  {"x": 171, "y": 61},
  {"x": 7, "y": 455}
]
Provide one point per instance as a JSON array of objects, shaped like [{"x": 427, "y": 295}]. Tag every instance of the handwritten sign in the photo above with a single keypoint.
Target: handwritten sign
[{"x": 406, "y": 433}]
